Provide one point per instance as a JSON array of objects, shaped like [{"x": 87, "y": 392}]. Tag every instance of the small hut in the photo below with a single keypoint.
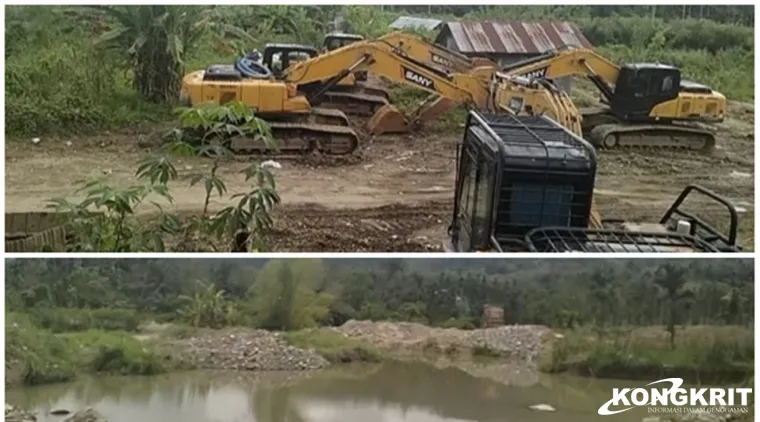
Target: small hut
[{"x": 493, "y": 316}]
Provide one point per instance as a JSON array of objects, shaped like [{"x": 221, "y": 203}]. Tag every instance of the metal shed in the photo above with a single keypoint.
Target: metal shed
[{"x": 411, "y": 23}]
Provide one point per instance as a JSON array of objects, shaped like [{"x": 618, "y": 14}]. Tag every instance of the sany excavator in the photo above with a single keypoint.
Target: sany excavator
[
  {"x": 647, "y": 105},
  {"x": 355, "y": 95},
  {"x": 290, "y": 100}
]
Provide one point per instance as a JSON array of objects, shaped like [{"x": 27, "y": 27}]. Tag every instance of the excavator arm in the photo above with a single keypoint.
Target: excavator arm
[
  {"x": 384, "y": 59},
  {"x": 421, "y": 49},
  {"x": 570, "y": 62}
]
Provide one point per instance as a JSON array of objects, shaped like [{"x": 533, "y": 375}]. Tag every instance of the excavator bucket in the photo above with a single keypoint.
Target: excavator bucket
[{"x": 388, "y": 119}]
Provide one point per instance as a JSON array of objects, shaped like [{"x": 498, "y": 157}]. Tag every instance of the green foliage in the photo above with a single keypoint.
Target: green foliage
[
  {"x": 59, "y": 320},
  {"x": 565, "y": 293},
  {"x": 38, "y": 355},
  {"x": 701, "y": 353},
  {"x": 285, "y": 295},
  {"x": 334, "y": 346},
  {"x": 105, "y": 220},
  {"x": 117, "y": 353},
  {"x": 59, "y": 80},
  {"x": 208, "y": 307},
  {"x": 459, "y": 323},
  {"x": 153, "y": 41}
]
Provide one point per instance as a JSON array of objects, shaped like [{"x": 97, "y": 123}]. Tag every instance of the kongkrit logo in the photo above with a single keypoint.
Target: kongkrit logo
[{"x": 674, "y": 396}]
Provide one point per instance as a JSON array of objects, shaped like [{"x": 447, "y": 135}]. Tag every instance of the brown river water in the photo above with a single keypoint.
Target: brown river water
[{"x": 389, "y": 392}]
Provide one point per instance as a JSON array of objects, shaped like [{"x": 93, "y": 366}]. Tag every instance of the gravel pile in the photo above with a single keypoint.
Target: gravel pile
[
  {"x": 245, "y": 350},
  {"x": 518, "y": 341}
]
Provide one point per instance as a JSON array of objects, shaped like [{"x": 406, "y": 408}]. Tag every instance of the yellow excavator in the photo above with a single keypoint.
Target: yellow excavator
[
  {"x": 646, "y": 105},
  {"x": 356, "y": 95},
  {"x": 289, "y": 97}
]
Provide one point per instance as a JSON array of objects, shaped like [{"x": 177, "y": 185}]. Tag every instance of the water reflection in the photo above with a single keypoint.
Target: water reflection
[{"x": 398, "y": 391}]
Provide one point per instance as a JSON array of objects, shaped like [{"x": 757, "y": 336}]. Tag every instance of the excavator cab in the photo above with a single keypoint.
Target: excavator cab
[
  {"x": 278, "y": 57},
  {"x": 640, "y": 87},
  {"x": 336, "y": 40},
  {"x": 525, "y": 183}
]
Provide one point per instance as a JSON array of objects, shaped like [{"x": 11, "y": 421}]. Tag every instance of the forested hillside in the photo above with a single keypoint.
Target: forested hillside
[
  {"x": 75, "y": 69},
  {"x": 288, "y": 294}
]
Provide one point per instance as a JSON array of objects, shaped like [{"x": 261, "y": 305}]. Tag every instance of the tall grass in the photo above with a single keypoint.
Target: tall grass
[
  {"x": 38, "y": 355},
  {"x": 701, "y": 353}
]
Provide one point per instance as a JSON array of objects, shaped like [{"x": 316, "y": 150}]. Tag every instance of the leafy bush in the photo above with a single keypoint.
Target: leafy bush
[
  {"x": 45, "y": 357},
  {"x": 208, "y": 307},
  {"x": 39, "y": 355},
  {"x": 118, "y": 353}
]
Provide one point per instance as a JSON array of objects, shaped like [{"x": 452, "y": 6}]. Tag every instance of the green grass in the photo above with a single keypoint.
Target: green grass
[
  {"x": 40, "y": 356},
  {"x": 701, "y": 353},
  {"x": 333, "y": 346},
  {"x": 59, "y": 320}
]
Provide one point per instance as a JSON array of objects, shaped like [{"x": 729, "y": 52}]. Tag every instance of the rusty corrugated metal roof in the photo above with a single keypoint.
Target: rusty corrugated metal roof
[{"x": 515, "y": 37}]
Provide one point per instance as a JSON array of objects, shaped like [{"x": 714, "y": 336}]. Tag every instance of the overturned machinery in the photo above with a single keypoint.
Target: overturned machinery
[{"x": 526, "y": 183}]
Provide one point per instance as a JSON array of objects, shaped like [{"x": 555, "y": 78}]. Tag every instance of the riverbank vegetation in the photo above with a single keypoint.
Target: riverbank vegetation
[
  {"x": 620, "y": 318},
  {"x": 36, "y": 355},
  {"x": 83, "y": 69}
]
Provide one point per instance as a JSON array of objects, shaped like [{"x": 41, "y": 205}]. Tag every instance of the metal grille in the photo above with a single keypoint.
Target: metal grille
[
  {"x": 568, "y": 239},
  {"x": 536, "y": 137}
]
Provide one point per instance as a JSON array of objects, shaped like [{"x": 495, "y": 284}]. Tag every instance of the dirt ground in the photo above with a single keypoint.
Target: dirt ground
[{"x": 395, "y": 196}]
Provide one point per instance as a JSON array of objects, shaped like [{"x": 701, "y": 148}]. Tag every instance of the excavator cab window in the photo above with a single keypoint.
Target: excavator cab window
[
  {"x": 336, "y": 40},
  {"x": 640, "y": 87},
  {"x": 278, "y": 57}
]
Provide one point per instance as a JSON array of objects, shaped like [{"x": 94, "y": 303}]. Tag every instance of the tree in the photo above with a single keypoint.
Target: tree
[
  {"x": 154, "y": 41},
  {"x": 672, "y": 279}
]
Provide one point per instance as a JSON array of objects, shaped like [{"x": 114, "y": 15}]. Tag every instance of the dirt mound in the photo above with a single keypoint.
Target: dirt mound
[
  {"x": 523, "y": 342},
  {"x": 241, "y": 349}
]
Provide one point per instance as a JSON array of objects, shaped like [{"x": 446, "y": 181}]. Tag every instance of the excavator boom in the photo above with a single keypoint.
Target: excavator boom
[{"x": 319, "y": 74}]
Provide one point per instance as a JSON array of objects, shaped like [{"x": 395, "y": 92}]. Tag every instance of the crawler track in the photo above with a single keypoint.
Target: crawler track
[
  {"x": 324, "y": 130},
  {"x": 605, "y": 131}
]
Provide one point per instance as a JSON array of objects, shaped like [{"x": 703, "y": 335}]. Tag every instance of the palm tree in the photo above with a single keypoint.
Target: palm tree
[
  {"x": 154, "y": 40},
  {"x": 671, "y": 279}
]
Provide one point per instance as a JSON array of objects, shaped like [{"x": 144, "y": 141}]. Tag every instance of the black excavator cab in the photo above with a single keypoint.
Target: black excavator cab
[
  {"x": 278, "y": 57},
  {"x": 336, "y": 40},
  {"x": 525, "y": 183},
  {"x": 640, "y": 87}
]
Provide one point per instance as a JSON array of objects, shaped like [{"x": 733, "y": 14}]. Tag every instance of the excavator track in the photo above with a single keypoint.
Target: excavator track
[
  {"x": 651, "y": 136},
  {"x": 324, "y": 130},
  {"x": 352, "y": 103}
]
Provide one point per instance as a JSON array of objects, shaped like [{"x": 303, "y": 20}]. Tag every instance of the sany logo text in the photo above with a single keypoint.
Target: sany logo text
[{"x": 674, "y": 396}]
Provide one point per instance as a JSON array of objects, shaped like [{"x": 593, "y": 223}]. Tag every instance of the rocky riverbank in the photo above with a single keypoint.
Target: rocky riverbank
[
  {"x": 518, "y": 342},
  {"x": 251, "y": 349},
  {"x": 15, "y": 414},
  {"x": 244, "y": 349}
]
